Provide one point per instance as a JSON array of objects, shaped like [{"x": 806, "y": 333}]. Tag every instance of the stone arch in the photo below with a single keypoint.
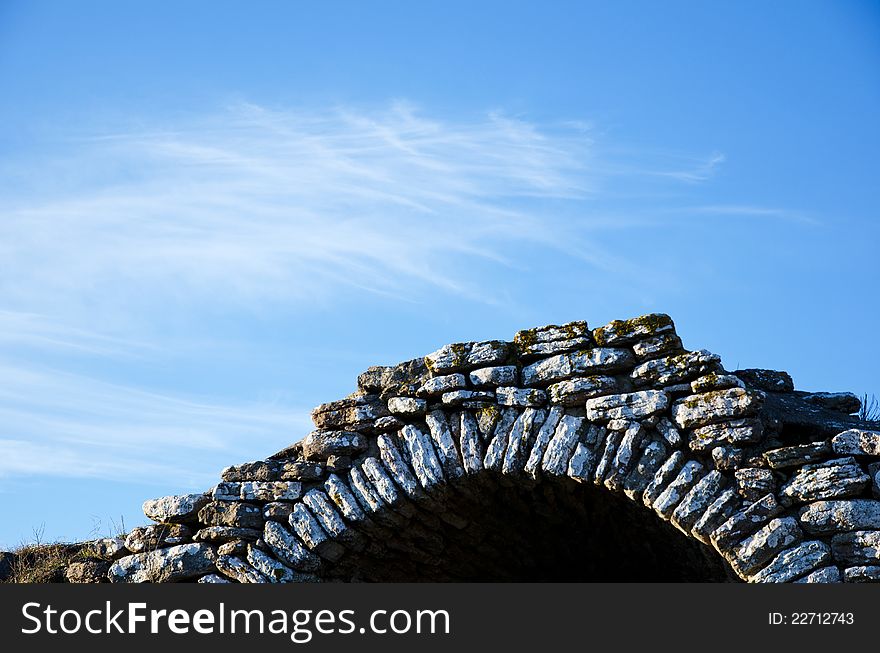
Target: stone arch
[{"x": 567, "y": 454}]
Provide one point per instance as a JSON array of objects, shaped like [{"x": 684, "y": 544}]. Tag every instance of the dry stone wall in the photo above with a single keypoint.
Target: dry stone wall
[{"x": 569, "y": 453}]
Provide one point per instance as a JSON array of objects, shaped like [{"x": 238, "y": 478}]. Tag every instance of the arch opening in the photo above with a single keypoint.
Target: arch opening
[{"x": 494, "y": 528}]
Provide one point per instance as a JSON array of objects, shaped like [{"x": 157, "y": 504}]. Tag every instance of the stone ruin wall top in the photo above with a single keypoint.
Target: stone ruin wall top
[{"x": 781, "y": 485}]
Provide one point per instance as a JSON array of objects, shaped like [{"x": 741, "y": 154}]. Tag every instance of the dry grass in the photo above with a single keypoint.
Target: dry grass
[
  {"x": 870, "y": 410},
  {"x": 41, "y": 562}
]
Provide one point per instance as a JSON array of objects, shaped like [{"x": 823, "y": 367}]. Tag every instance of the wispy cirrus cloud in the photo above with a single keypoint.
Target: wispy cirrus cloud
[
  {"x": 255, "y": 204},
  {"x": 250, "y": 207},
  {"x": 66, "y": 425}
]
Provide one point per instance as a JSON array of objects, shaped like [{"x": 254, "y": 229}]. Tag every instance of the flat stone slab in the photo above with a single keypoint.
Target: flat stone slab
[
  {"x": 857, "y": 548},
  {"x": 841, "y": 477},
  {"x": 624, "y": 332},
  {"x": 794, "y": 562},
  {"x": 627, "y": 406},
  {"x": 857, "y": 442},
  {"x": 715, "y": 406},
  {"x": 176, "y": 563},
  {"x": 840, "y": 515},
  {"x": 797, "y": 455},
  {"x": 177, "y": 508},
  {"x": 675, "y": 369}
]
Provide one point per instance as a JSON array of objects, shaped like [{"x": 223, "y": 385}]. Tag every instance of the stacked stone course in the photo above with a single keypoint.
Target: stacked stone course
[{"x": 377, "y": 490}]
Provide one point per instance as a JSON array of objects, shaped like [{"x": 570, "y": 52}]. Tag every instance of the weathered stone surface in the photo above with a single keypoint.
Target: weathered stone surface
[
  {"x": 662, "y": 478},
  {"x": 752, "y": 483},
  {"x": 491, "y": 377},
  {"x": 318, "y": 445},
  {"x": 444, "y": 444},
  {"x": 857, "y": 547},
  {"x": 337, "y": 464},
  {"x": 398, "y": 468},
  {"x": 766, "y": 542},
  {"x": 354, "y": 413},
  {"x": 260, "y": 470},
  {"x": 375, "y": 473},
  {"x": 320, "y": 506},
  {"x": 178, "y": 508},
  {"x": 226, "y": 491},
  {"x": 231, "y": 513},
  {"x": 736, "y": 432},
  {"x": 407, "y": 406},
  {"x": 144, "y": 538},
  {"x": 213, "y": 579},
  {"x": 239, "y": 570},
  {"x": 769, "y": 380},
  {"x": 341, "y": 495},
  {"x": 562, "y": 444},
  {"x": 467, "y": 355},
  {"x": 542, "y": 440},
  {"x": 107, "y": 548},
  {"x": 624, "y": 332},
  {"x": 440, "y": 384},
  {"x": 173, "y": 564},
  {"x": 220, "y": 534},
  {"x": 298, "y": 470},
  {"x": 307, "y": 529},
  {"x": 553, "y": 339},
  {"x": 588, "y": 362},
  {"x": 548, "y": 370},
  {"x": 234, "y": 548},
  {"x": 716, "y": 514},
  {"x": 842, "y": 402},
  {"x": 381, "y": 379},
  {"x": 675, "y": 369},
  {"x": 690, "y": 473},
  {"x": 715, "y": 406},
  {"x": 469, "y": 398},
  {"x": 745, "y": 522},
  {"x": 667, "y": 344},
  {"x": 715, "y": 382},
  {"x": 647, "y": 465},
  {"x": 796, "y": 455},
  {"x": 669, "y": 432},
  {"x": 862, "y": 574},
  {"x": 624, "y": 457},
  {"x": 520, "y": 397},
  {"x": 841, "y": 515},
  {"x": 857, "y": 442},
  {"x": 695, "y": 503},
  {"x": 582, "y": 462},
  {"x": 520, "y": 439},
  {"x": 793, "y": 562},
  {"x": 874, "y": 473},
  {"x": 612, "y": 440},
  {"x": 840, "y": 477},
  {"x": 497, "y": 446},
  {"x": 381, "y": 425},
  {"x": 829, "y": 574},
  {"x": 630, "y": 406},
  {"x": 274, "y": 571},
  {"x": 574, "y": 392},
  {"x": 271, "y": 490},
  {"x": 87, "y": 571},
  {"x": 726, "y": 457},
  {"x": 471, "y": 444}
]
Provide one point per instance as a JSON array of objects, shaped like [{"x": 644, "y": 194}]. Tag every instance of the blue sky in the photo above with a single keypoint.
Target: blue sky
[{"x": 215, "y": 214}]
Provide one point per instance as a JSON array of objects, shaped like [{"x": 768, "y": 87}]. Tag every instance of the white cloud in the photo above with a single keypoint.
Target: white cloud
[
  {"x": 65, "y": 425},
  {"x": 246, "y": 208},
  {"x": 254, "y": 205}
]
